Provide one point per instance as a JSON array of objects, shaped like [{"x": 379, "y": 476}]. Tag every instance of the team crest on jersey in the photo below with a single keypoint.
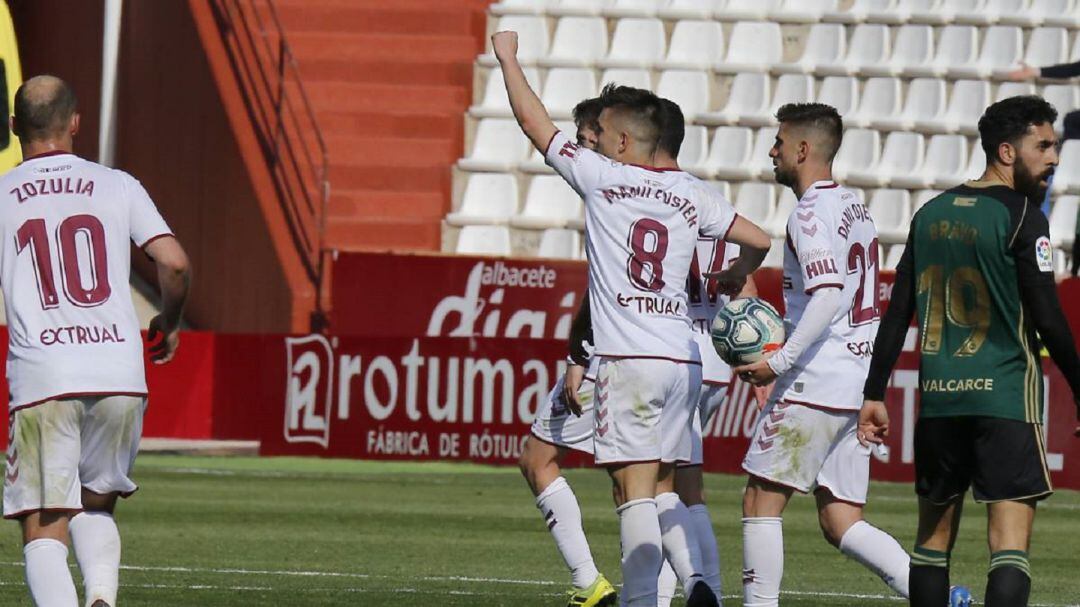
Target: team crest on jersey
[{"x": 1044, "y": 254}]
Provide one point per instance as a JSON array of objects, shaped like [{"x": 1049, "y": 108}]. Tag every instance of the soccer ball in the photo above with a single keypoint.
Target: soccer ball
[{"x": 745, "y": 330}]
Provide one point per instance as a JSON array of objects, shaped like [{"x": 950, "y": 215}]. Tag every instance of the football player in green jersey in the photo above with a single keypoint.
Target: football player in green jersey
[{"x": 978, "y": 271}]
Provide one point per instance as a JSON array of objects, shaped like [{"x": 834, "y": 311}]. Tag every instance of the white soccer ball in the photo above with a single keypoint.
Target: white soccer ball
[{"x": 745, "y": 330}]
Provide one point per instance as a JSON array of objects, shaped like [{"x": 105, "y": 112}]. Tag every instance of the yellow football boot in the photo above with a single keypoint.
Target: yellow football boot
[{"x": 599, "y": 594}]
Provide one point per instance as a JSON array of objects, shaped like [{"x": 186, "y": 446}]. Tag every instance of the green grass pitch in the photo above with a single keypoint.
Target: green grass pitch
[{"x": 273, "y": 531}]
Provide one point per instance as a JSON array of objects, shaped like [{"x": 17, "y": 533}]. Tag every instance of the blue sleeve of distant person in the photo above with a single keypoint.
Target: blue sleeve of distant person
[{"x": 1063, "y": 70}]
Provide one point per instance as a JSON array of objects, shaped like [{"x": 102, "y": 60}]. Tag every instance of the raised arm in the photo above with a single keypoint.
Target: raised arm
[
  {"x": 174, "y": 279},
  {"x": 530, "y": 113}
]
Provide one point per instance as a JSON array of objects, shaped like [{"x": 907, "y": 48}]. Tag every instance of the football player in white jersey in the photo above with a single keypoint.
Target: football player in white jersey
[
  {"x": 805, "y": 438},
  {"x": 75, "y": 360},
  {"x": 642, "y": 224}
]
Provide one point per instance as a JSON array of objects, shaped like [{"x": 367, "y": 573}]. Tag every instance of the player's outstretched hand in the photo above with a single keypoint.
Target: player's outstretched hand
[
  {"x": 1023, "y": 73},
  {"x": 575, "y": 374},
  {"x": 167, "y": 338},
  {"x": 504, "y": 45},
  {"x": 758, "y": 374},
  {"x": 727, "y": 282},
  {"x": 873, "y": 423}
]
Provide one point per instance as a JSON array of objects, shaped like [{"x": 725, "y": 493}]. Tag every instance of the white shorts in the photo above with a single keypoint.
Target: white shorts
[
  {"x": 712, "y": 395},
  {"x": 555, "y": 424},
  {"x": 644, "y": 409},
  {"x": 803, "y": 448},
  {"x": 60, "y": 447}
]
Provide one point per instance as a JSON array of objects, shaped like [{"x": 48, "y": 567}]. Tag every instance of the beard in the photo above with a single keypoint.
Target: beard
[
  {"x": 786, "y": 178},
  {"x": 1030, "y": 184}
]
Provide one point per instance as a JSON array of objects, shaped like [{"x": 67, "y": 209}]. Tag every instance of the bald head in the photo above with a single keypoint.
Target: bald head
[{"x": 44, "y": 109}]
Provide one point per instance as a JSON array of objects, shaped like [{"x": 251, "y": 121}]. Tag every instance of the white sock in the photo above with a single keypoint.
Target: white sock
[
  {"x": 710, "y": 553},
  {"x": 763, "y": 561},
  {"x": 665, "y": 585},
  {"x": 560, "y": 508},
  {"x": 97, "y": 548},
  {"x": 47, "y": 574},
  {"x": 879, "y": 552},
  {"x": 680, "y": 540},
  {"x": 639, "y": 530}
]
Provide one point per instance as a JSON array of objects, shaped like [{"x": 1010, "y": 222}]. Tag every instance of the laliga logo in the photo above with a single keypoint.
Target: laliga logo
[{"x": 308, "y": 394}]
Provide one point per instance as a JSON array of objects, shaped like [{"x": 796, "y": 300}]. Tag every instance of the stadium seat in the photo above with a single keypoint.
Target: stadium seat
[
  {"x": 826, "y": 44},
  {"x": 956, "y": 46},
  {"x": 761, "y": 165},
  {"x": 891, "y": 210},
  {"x": 859, "y": 152},
  {"x": 841, "y": 92},
  {"x": 942, "y": 12},
  {"x": 880, "y": 99},
  {"x": 729, "y": 154},
  {"x": 636, "y": 43},
  {"x": 1055, "y": 12},
  {"x": 920, "y": 198},
  {"x": 790, "y": 88},
  {"x": 674, "y": 10},
  {"x": 988, "y": 12},
  {"x": 636, "y": 78},
  {"x": 967, "y": 102},
  {"x": 694, "y": 150},
  {"x": 1063, "y": 221},
  {"x": 723, "y": 187},
  {"x": 578, "y": 42},
  {"x": 899, "y": 11},
  {"x": 859, "y": 11},
  {"x": 775, "y": 257},
  {"x": 776, "y": 226},
  {"x": 550, "y": 203},
  {"x": 535, "y": 162},
  {"x": 1067, "y": 175},
  {"x": 803, "y": 11},
  {"x": 914, "y": 46},
  {"x": 495, "y": 103},
  {"x": 892, "y": 259},
  {"x": 749, "y": 96},
  {"x": 695, "y": 45},
  {"x": 498, "y": 147},
  {"x": 560, "y": 8},
  {"x": 902, "y": 155},
  {"x": 1061, "y": 96},
  {"x": 565, "y": 87},
  {"x": 631, "y": 8},
  {"x": 560, "y": 244},
  {"x": 533, "y": 39},
  {"x": 976, "y": 162},
  {"x": 1047, "y": 46},
  {"x": 484, "y": 240},
  {"x": 1002, "y": 49},
  {"x": 1013, "y": 89},
  {"x": 859, "y": 193},
  {"x": 945, "y": 165},
  {"x": 756, "y": 201},
  {"x": 489, "y": 199},
  {"x": 688, "y": 88},
  {"x": 745, "y": 10},
  {"x": 754, "y": 46},
  {"x": 925, "y": 104},
  {"x": 869, "y": 46},
  {"x": 519, "y": 7}
]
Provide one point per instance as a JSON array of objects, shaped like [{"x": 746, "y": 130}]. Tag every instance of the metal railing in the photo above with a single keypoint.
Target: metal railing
[{"x": 283, "y": 120}]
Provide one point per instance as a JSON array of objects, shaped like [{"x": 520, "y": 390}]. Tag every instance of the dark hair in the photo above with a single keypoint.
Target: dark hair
[
  {"x": 640, "y": 106},
  {"x": 1008, "y": 120},
  {"x": 587, "y": 113},
  {"x": 43, "y": 107},
  {"x": 672, "y": 127},
  {"x": 819, "y": 117}
]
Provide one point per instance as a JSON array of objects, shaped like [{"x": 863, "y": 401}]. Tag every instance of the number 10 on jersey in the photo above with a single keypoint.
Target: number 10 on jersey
[{"x": 87, "y": 228}]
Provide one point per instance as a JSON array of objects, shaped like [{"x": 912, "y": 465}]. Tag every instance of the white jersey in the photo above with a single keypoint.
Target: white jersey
[
  {"x": 65, "y": 268},
  {"x": 706, "y": 300},
  {"x": 641, "y": 228},
  {"x": 831, "y": 242}
]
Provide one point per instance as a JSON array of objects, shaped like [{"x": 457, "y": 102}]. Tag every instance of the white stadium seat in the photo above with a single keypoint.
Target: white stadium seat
[
  {"x": 761, "y": 165},
  {"x": 859, "y": 11},
  {"x": 489, "y": 198},
  {"x": 869, "y": 46},
  {"x": 841, "y": 92},
  {"x": 1002, "y": 49},
  {"x": 756, "y": 201},
  {"x": 688, "y": 88},
  {"x": 754, "y": 46},
  {"x": 484, "y": 240},
  {"x": 1063, "y": 221},
  {"x": 723, "y": 187},
  {"x": 891, "y": 212},
  {"x": 920, "y": 198},
  {"x": 550, "y": 203},
  {"x": 519, "y": 7},
  {"x": 565, "y": 87},
  {"x": 1056, "y": 12},
  {"x": 535, "y": 162},
  {"x": 631, "y": 8},
  {"x": 902, "y": 155},
  {"x": 729, "y": 154},
  {"x": 945, "y": 165},
  {"x": 967, "y": 102},
  {"x": 495, "y": 103},
  {"x": 900, "y": 11},
  {"x": 533, "y": 39},
  {"x": 1047, "y": 46},
  {"x": 578, "y": 42},
  {"x": 577, "y": 7},
  {"x": 1063, "y": 97},
  {"x": 957, "y": 45},
  {"x": 694, "y": 45},
  {"x": 560, "y": 244},
  {"x": 925, "y": 103},
  {"x": 688, "y": 9},
  {"x": 892, "y": 259},
  {"x": 914, "y": 46},
  {"x": 946, "y": 11},
  {"x": 627, "y": 77},
  {"x": 499, "y": 146},
  {"x": 749, "y": 10},
  {"x": 790, "y": 88},
  {"x": 859, "y": 152},
  {"x": 749, "y": 96},
  {"x": 992, "y": 11},
  {"x": 1067, "y": 174},
  {"x": 803, "y": 11},
  {"x": 1013, "y": 89},
  {"x": 637, "y": 43},
  {"x": 776, "y": 226},
  {"x": 826, "y": 44},
  {"x": 694, "y": 150},
  {"x": 880, "y": 99},
  {"x": 976, "y": 162}
]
